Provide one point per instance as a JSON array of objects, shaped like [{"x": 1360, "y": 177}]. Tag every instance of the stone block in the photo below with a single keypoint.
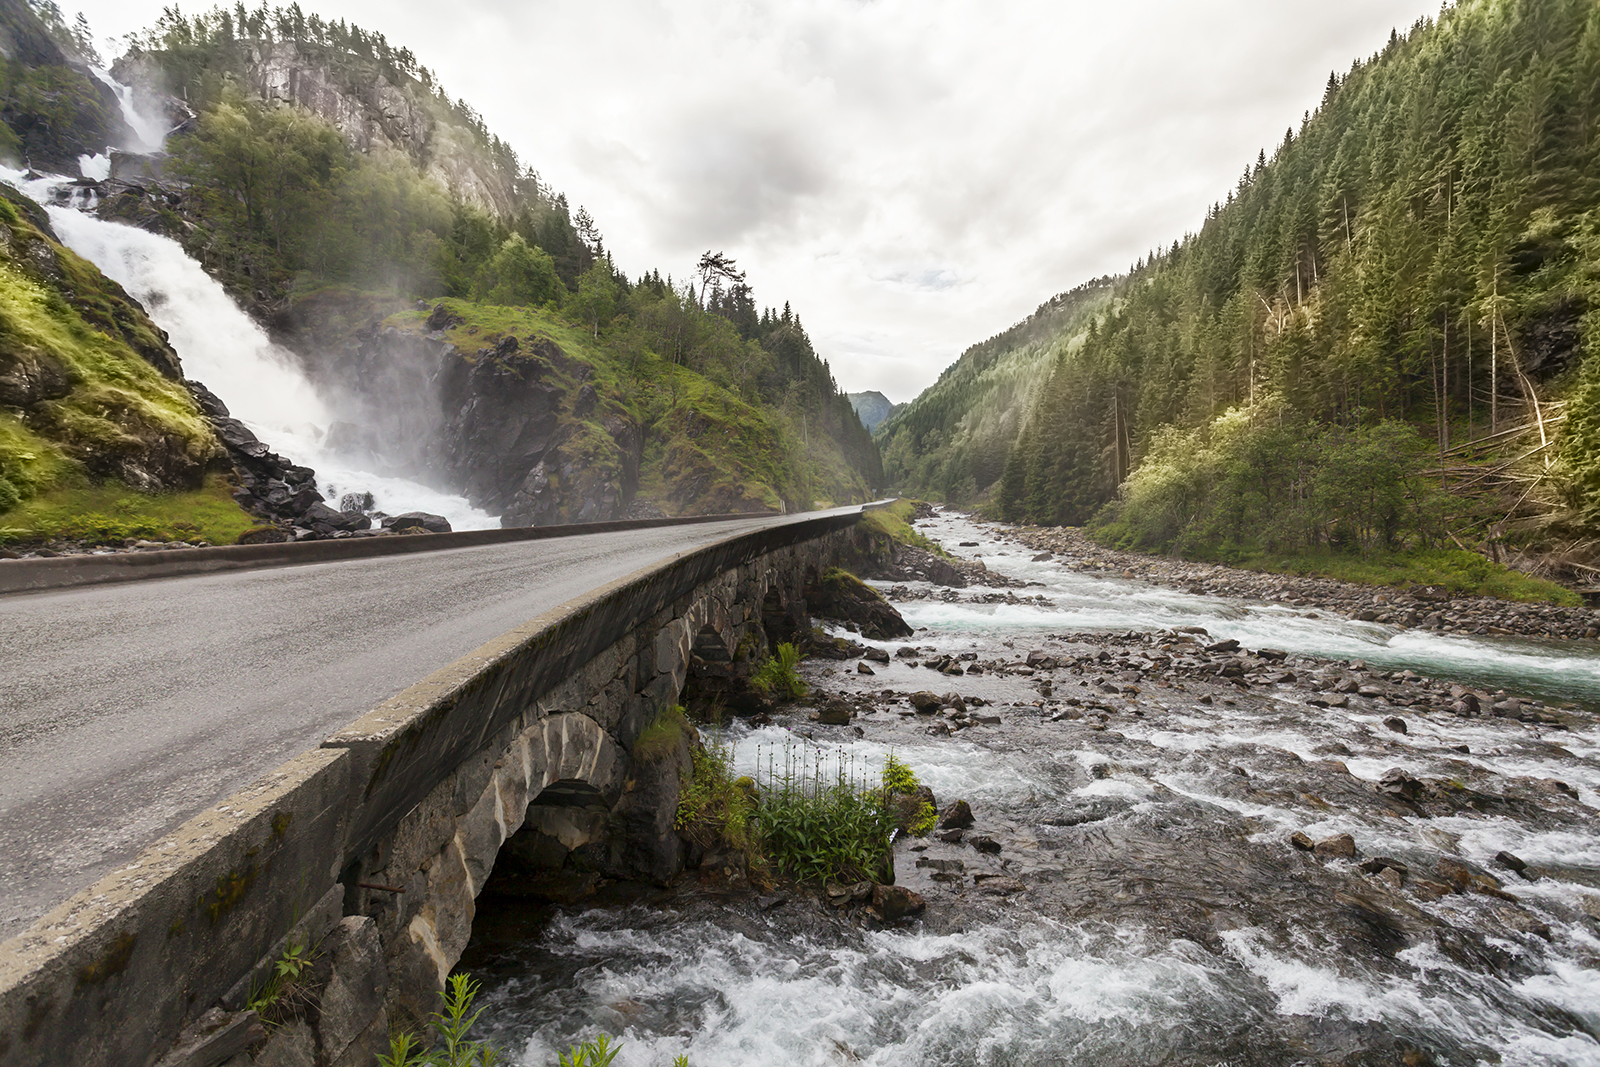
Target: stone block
[
  {"x": 353, "y": 997},
  {"x": 161, "y": 939}
]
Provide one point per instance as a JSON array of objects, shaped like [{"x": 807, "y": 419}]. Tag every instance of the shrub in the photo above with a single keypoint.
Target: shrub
[
  {"x": 715, "y": 807},
  {"x": 913, "y": 814},
  {"x": 451, "y": 1025},
  {"x": 777, "y": 677},
  {"x": 817, "y": 826}
]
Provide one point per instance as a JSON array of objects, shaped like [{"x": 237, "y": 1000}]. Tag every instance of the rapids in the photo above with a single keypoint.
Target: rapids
[{"x": 1146, "y": 905}]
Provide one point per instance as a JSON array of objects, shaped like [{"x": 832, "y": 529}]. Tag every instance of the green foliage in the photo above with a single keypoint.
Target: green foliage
[
  {"x": 1451, "y": 569},
  {"x": 814, "y": 825},
  {"x": 714, "y": 806},
  {"x": 450, "y": 1026},
  {"x": 661, "y": 738},
  {"x": 283, "y": 994},
  {"x": 801, "y": 819},
  {"x": 900, "y": 784},
  {"x": 59, "y": 314},
  {"x": 596, "y": 1053},
  {"x": 893, "y": 521},
  {"x": 1266, "y": 478},
  {"x": 110, "y": 513},
  {"x": 1407, "y": 253},
  {"x": 518, "y": 274},
  {"x": 777, "y": 677}
]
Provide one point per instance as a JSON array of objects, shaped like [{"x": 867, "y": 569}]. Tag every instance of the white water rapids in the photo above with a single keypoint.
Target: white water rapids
[
  {"x": 1166, "y": 919},
  {"x": 262, "y": 383}
]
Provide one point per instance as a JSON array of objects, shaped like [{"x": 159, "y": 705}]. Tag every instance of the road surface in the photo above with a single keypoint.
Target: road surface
[{"x": 127, "y": 709}]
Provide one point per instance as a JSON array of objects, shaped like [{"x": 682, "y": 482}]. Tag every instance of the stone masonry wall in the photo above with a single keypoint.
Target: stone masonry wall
[{"x": 408, "y": 904}]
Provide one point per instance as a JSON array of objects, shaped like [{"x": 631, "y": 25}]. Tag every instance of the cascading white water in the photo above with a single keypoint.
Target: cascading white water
[
  {"x": 261, "y": 382},
  {"x": 151, "y": 130}
]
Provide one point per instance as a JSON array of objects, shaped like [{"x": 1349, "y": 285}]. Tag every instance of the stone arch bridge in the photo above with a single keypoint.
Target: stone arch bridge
[{"x": 375, "y": 845}]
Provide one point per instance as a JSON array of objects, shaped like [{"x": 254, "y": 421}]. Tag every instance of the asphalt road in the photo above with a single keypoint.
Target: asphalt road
[{"x": 127, "y": 709}]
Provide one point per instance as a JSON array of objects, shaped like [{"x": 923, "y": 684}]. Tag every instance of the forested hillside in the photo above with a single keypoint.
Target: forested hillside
[
  {"x": 1382, "y": 336},
  {"x": 327, "y": 179},
  {"x": 951, "y": 442}
]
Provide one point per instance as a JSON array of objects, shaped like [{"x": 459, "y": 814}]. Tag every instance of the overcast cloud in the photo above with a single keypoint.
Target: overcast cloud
[{"x": 913, "y": 175}]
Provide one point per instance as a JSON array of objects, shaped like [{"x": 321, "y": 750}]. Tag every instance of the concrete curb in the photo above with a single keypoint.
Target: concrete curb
[{"x": 65, "y": 572}]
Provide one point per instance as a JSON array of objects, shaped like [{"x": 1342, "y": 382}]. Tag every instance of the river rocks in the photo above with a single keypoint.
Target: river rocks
[
  {"x": 876, "y": 655},
  {"x": 1339, "y": 846},
  {"x": 1302, "y": 841},
  {"x": 416, "y": 521},
  {"x": 1395, "y": 723},
  {"x": 834, "y": 713},
  {"x": 957, "y": 816},
  {"x": 840, "y": 595},
  {"x": 1512, "y": 863},
  {"x": 925, "y": 703},
  {"x": 896, "y": 902},
  {"x": 1397, "y": 783}
]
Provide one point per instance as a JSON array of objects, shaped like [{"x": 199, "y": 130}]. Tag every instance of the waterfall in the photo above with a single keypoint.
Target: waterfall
[
  {"x": 151, "y": 130},
  {"x": 262, "y": 383}
]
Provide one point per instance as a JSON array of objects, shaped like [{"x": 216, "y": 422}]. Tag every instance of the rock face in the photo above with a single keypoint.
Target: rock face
[
  {"x": 366, "y": 107},
  {"x": 55, "y": 108},
  {"x": 115, "y": 410},
  {"x": 509, "y": 441},
  {"x": 871, "y": 408},
  {"x": 842, "y": 596}
]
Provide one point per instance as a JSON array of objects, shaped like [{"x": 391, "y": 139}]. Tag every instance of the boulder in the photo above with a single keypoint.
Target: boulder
[
  {"x": 925, "y": 702},
  {"x": 834, "y": 713},
  {"x": 1340, "y": 846},
  {"x": 896, "y": 902},
  {"x": 840, "y": 595},
  {"x": 417, "y": 520},
  {"x": 355, "y": 992},
  {"x": 957, "y": 816}
]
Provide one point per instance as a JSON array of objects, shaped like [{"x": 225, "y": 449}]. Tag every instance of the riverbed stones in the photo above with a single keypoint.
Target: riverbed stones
[
  {"x": 957, "y": 816},
  {"x": 926, "y": 702},
  {"x": 834, "y": 713},
  {"x": 893, "y": 902},
  {"x": 1337, "y": 847}
]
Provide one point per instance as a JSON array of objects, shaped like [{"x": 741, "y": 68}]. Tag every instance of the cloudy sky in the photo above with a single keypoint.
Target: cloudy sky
[{"x": 913, "y": 175}]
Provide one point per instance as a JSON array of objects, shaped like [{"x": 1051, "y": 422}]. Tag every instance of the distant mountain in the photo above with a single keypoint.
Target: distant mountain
[
  {"x": 872, "y": 407},
  {"x": 951, "y": 442}
]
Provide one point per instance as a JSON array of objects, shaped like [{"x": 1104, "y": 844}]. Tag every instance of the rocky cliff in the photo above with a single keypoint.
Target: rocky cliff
[
  {"x": 371, "y": 110},
  {"x": 529, "y": 418},
  {"x": 52, "y": 110},
  {"x": 89, "y": 387}
]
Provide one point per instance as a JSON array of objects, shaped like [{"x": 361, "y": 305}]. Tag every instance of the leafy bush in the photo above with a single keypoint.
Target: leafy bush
[
  {"x": 714, "y": 806},
  {"x": 826, "y": 827},
  {"x": 914, "y": 815},
  {"x": 777, "y": 677},
  {"x": 451, "y": 1025}
]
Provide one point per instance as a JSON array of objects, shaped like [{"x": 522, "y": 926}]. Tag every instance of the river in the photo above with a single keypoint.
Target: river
[{"x": 1145, "y": 905}]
